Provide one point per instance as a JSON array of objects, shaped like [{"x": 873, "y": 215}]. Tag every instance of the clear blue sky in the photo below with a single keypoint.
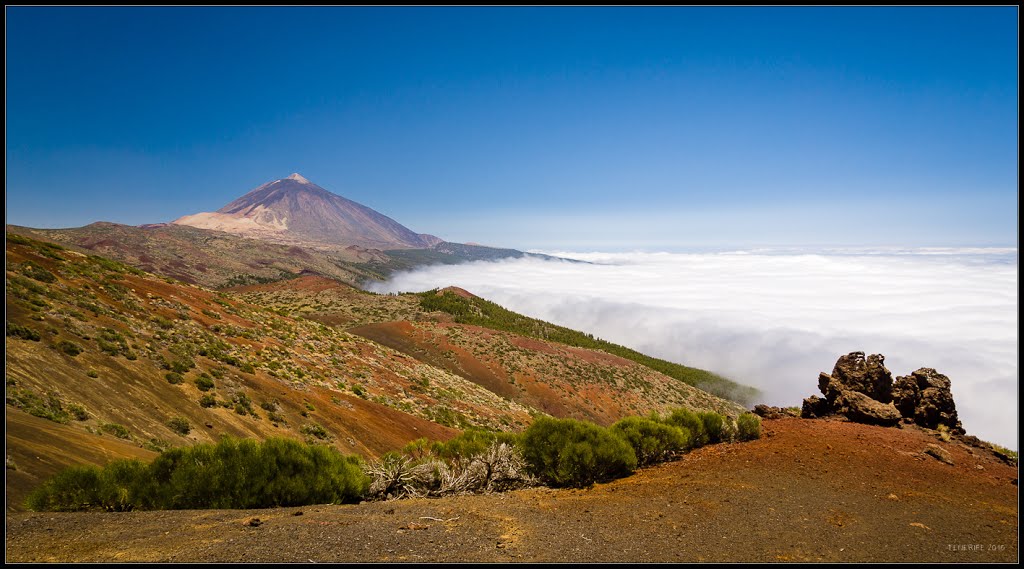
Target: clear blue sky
[{"x": 602, "y": 128}]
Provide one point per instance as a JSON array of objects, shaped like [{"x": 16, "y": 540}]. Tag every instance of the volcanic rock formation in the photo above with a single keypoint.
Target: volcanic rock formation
[{"x": 862, "y": 390}]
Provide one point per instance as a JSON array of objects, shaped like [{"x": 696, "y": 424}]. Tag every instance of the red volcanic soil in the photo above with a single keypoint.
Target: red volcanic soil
[
  {"x": 809, "y": 490},
  {"x": 457, "y": 292}
]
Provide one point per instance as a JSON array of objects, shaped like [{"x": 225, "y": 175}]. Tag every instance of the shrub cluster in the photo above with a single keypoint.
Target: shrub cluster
[
  {"x": 284, "y": 472},
  {"x": 231, "y": 474},
  {"x": 567, "y": 452}
]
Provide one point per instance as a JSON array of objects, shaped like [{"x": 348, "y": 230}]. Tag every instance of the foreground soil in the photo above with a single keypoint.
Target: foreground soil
[{"x": 807, "y": 491}]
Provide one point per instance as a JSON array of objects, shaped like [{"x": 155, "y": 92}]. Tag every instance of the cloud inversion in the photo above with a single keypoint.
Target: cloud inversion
[{"x": 775, "y": 319}]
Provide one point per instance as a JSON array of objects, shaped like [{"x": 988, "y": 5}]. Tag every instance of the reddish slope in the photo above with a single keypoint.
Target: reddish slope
[{"x": 559, "y": 380}]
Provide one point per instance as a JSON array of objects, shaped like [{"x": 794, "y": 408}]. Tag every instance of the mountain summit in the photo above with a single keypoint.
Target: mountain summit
[{"x": 295, "y": 210}]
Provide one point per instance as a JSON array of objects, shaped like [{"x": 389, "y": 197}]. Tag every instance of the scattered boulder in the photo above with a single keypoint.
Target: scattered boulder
[
  {"x": 768, "y": 412},
  {"x": 860, "y": 408},
  {"x": 939, "y": 453},
  {"x": 862, "y": 389}
]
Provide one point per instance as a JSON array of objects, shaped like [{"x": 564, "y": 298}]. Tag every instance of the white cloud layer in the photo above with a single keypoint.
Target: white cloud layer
[{"x": 774, "y": 319}]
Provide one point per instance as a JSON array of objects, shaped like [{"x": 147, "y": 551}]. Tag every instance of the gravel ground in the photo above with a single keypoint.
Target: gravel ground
[{"x": 807, "y": 491}]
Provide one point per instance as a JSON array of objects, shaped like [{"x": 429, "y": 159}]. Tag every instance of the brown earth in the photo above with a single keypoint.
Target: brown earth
[
  {"x": 560, "y": 380},
  {"x": 809, "y": 490}
]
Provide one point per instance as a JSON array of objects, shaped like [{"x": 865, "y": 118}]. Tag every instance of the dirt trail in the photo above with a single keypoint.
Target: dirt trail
[{"x": 807, "y": 491}]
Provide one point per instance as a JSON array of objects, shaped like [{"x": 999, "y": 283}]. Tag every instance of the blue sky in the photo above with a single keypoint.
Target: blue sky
[{"x": 599, "y": 128}]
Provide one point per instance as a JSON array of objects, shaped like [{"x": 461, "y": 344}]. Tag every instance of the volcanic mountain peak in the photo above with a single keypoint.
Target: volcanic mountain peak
[{"x": 295, "y": 210}]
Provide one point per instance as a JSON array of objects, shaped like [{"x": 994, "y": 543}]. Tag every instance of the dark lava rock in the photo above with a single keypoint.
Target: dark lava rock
[
  {"x": 768, "y": 412},
  {"x": 815, "y": 407},
  {"x": 862, "y": 389},
  {"x": 854, "y": 372},
  {"x": 860, "y": 408},
  {"x": 924, "y": 398}
]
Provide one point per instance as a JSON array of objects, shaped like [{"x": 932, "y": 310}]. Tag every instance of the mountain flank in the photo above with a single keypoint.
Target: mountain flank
[{"x": 295, "y": 210}]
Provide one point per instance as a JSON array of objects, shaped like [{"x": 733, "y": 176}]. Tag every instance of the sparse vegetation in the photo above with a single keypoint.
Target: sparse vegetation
[
  {"x": 119, "y": 431},
  {"x": 180, "y": 425},
  {"x": 48, "y": 407},
  {"x": 480, "y": 312},
  {"x": 174, "y": 378},
  {"x": 22, "y": 332},
  {"x": 314, "y": 430},
  {"x": 68, "y": 348},
  {"x": 204, "y": 382}
]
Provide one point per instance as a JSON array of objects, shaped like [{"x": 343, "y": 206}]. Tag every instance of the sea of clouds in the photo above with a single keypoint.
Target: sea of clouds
[{"x": 775, "y": 318}]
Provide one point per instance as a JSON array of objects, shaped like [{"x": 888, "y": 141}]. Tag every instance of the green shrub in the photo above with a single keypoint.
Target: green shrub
[
  {"x": 689, "y": 420},
  {"x": 314, "y": 430},
  {"x": 566, "y": 452},
  {"x": 269, "y": 405},
  {"x": 36, "y": 272},
  {"x": 78, "y": 412},
  {"x": 651, "y": 440},
  {"x": 179, "y": 425},
  {"x": 204, "y": 382},
  {"x": 469, "y": 443},
  {"x": 68, "y": 348},
  {"x": 208, "y": 400},
  {"x": 23, "y": 332},
  {"x": 715, "y": 426},
  {"x": 236, "y": 474},
  {"x": 92, "y": 373},
  {"x": 74, "y": 488},
  {"x": 118, "y": 431},
  {"x": 49, "y": 408},
  {"x": 174, "y": 378},
  {"x": 748, "y": 427}
]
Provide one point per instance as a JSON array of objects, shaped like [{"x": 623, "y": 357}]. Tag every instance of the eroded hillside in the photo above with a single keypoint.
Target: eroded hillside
[{"x": 120, "y": 359}]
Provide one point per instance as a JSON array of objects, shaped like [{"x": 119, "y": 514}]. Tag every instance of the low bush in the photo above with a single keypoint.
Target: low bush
[
  {"x": 314, "y": 430},
  {"x": 174, "y": 378},
  {"x": 690, "y": 421},
  {"x": 118, "y": 431},
  {"x": 180, "y": 425},
  {"x": 236, "y": 474},
  {"x": 68, "y": 348},
  {"x": 652, "y": 441},
  {"x": 748, "y": 427},
  {"x": 715, "y": 426},
  {"x": 204, "y": 382},
  {"x": 571, "y": 453},
  {"x": 23, "y": 332}
]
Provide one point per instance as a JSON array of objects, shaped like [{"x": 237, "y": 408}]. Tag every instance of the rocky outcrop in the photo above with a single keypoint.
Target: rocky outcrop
[
  {"x": 815, "y": 407},
  {"x": 853, "y": 372},
  {"x": 860, "y": 408},
  {"x": 769, "y": 412},
  {"x": 863, "y": 390},
  {"x": 924, "y": 397}
]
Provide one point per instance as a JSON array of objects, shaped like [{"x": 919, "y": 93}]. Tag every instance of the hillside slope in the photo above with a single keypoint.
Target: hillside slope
[{"x": 112, "y": 353}]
